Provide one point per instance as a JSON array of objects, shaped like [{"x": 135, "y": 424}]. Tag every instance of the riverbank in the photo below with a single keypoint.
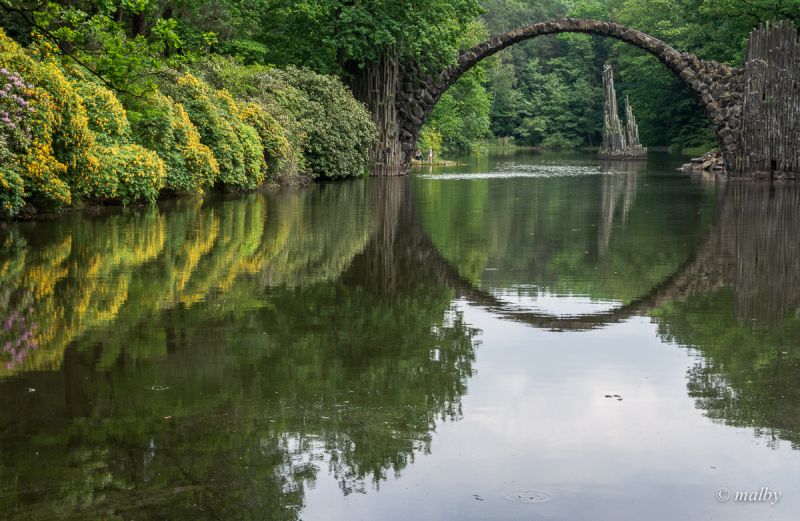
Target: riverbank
[
  {"x": 98, "y": 209},
  {"x": 435, "y": 162}
]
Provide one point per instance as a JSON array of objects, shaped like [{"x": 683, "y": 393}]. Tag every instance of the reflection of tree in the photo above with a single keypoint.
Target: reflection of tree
[
  {"x": 744, "y": 319},
  {"x": 223, "y": 397},
  {"x": 60, "y": 281}
]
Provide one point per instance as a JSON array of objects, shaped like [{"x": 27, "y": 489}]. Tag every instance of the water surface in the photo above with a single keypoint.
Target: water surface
[{"x": 521, "y": 337}]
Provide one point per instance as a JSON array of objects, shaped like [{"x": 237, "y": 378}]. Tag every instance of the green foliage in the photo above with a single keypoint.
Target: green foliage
[
  {"x": 162, "y": 125},
  {"x": 235, "y": 144},
  {"x": 128, "y": 173},
  {"x": 329, "y": 35},
  {"x": 461, "y": 118},
  {"x": 123, "y": 43},
  {"x": 247, "y": 51},
  {"x": 430, "y": 139},
  {"x": 322, "y": 120}
]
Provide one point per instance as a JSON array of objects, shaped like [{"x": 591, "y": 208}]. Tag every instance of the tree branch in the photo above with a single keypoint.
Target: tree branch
[{"x": 23, "y": 13}]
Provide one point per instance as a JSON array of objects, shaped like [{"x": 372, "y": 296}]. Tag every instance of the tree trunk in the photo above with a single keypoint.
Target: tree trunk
[{"x": 138, "y": 24}]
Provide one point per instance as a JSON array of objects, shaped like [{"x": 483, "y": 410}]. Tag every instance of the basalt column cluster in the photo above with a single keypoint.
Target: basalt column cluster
[{"x": 619, "y": 142}]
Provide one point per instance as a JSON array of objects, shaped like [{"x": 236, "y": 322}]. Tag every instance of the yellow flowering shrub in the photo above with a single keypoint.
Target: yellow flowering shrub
[
  {"x": 235, "y": 144},
  {"x": 65, "y": 123},
  {"x": 41, "y": 171},
  {"x": 79, "y": 141},
  {"x": 162, "y": 125},
  {"x": 129, "y": 173},
  {"x": 276, "y": 146},
  {"x": 106, "y": 115}
]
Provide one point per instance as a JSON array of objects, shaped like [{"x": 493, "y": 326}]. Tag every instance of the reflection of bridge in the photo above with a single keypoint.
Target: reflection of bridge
[
  {"x": 752, "y": 108},
  {"x": 748, "y": 220}
]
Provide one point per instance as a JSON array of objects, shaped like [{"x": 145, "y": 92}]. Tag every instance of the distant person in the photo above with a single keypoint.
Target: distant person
[
  {"x": 430, "y": 155},
  {"x": 418, "y": 155}
]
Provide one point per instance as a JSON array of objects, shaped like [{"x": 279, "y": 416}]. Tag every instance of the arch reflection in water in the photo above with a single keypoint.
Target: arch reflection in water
[
  {"x": 726, "y": 284},
  {"x": 596, "y": 237}
]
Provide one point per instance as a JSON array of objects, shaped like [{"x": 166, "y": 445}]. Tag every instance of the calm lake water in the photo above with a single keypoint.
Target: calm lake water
[{"x": 524, "y": 337}]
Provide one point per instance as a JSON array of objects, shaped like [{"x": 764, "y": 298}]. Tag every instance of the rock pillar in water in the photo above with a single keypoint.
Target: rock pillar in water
[{"x": 618, "y": 142}]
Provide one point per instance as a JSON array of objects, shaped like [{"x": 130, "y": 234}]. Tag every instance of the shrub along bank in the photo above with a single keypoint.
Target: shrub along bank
[{"x": 66, "y": 138}]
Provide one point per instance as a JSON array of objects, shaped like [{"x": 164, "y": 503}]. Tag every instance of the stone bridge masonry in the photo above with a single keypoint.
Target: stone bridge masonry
[{"x": 726, "y": 93}]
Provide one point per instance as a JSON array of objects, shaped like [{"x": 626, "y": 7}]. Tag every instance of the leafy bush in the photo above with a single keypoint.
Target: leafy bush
[
  {"x": 235, "y": 144},
  {"x": 12, "y": 190},
  {"x": 162, "y": 125},
  {"x": 319, "y": 115},
  {"x": 248, "y": 51},
  {"x": 15, "y": 108},
  {"x": 338, "y": 129},
  {"x": 129, "y": 173},
  {"x": 276, "y": 147},
  {"x": 281, "y": 132},
  {"x": 107, "y": 117}
]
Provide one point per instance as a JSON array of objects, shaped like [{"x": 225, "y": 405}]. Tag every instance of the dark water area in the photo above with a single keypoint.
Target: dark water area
[{"x": 526, "y": 336}]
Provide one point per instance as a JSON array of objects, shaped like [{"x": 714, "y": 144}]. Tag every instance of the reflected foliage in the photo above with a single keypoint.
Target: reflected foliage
[
  {"x": 251, "y": 345},
  {"x": 744, "y": 320},
  {"x": 62, "y": 280}
]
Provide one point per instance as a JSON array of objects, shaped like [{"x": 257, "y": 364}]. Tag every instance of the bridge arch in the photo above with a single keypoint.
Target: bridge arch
[{"x": 718, "y": 86}]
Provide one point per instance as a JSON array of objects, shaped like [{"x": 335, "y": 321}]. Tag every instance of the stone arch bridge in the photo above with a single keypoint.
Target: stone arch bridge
[{"x": 742, "y": 103}]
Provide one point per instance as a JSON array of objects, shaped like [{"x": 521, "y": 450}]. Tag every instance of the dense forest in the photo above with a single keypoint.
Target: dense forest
[{"x": 127, "y": 100}]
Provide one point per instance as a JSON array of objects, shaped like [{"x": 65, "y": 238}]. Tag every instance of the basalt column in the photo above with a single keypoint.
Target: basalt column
[
  {"x": 620, "y": 143},
  {"x": 634, "y": 147},
  {"x": 376, "y": 86},
  {"x": 770, "y": 136}
]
